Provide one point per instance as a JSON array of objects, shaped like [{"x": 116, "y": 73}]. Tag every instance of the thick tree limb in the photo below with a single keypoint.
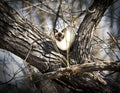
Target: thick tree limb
[
  {"x": 23, "y": 39},
  {"x": 83, "y": 40},
  {"x": 86, "y": 67},
  {"x": 93, "y": 81}
]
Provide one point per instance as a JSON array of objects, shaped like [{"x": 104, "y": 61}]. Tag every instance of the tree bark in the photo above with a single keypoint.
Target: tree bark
[
  {"x": 86, "y": 28},
  {"x": 23, "y": 39}
]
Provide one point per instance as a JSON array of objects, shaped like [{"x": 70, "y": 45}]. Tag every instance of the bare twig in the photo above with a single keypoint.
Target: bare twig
[
  {"x": 57, "y": 15},
  {"x": 114, "y": 40}
]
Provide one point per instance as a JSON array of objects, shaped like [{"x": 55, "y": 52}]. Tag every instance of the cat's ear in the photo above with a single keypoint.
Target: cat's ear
[
  {"x": 55, "y": 30},
  {"x": 64, "y": 30}
]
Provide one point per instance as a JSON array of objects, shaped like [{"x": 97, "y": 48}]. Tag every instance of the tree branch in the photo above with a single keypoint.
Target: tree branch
[
  {"x": 86, "y": 28},
  {"x": 86, "y": 67},
  {"x": 21, "y": 38}
]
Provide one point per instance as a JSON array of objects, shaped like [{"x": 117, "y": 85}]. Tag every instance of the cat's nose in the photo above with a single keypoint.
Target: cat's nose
[{"x": 59, "y": 34}]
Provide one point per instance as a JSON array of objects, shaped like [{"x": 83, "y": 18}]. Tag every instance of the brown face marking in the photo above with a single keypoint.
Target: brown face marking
[{"x": 55, "y": 31}]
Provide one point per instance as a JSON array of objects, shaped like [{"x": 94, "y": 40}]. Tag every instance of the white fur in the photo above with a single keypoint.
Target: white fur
[{"x": 67, "y": 41}]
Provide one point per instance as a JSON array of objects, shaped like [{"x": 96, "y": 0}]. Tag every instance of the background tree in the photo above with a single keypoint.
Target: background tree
[{"x": 27, "y": 35}]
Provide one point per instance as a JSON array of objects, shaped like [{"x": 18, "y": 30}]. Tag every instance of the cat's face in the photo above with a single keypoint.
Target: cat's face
[{"x": 59, "y": 35}]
